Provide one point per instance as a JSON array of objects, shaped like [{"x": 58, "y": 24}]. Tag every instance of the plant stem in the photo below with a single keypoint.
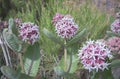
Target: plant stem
[
  {"x": 65, "y": 56},
  {"x": 100, "y": 75},
  {"x": 8, "y": 54},
  {"x": 5, "y": 55},
  {"x": 70, "y": 63},
  {"x": 3, "y": 49},
  {"x": 93, "y": 75},
  {"x": 21, "y": 62}
]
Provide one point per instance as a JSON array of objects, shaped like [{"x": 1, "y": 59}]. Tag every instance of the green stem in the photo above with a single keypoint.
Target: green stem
[
  {"x": 3, "y": 49},
  {"x": 93, "y": 75},
  {"x": 65, "y": 56},
  {"x": 8, "y": 54},
  {"x": 21, "y": 62},
  {"x": 70, "y": 64},
  {"x": 100, "y": 75}
]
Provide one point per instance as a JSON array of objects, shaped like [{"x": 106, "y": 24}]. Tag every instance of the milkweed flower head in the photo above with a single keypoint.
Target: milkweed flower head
[
  {"x": 114, "y": 43},
  {"x": 115, "y": 26},
  {"x": 57, "y": 17},
  {"x": 29, "y": 32},
  {"x": 66, "y": 27},
  {"x": 3, "y": 24},
  {"x": 118, "y": 15},
  {"x": 93, "y": 55},
  {"x": 18, "y": 21}
]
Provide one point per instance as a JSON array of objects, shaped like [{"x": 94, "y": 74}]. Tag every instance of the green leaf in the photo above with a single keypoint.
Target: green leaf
[
  {"x": 12, "y": 27},
  {"x": 52, "y": 36},
  {"x": 115, "y": 63},
  {"x": 32, "y": 60},
  {"x": 12, "y": 74},
  {"x": 33, "y": 52},
  {"x": 106, "y": 74},
  {"x": 11, "y": 24},
  {"x": 60, "y": 72},
  {"x": 12, "y": 41},
  {"x": 31, "y": 66},
  {"x": 73, "y": 67},
  {"x": 77, "y": 37}
]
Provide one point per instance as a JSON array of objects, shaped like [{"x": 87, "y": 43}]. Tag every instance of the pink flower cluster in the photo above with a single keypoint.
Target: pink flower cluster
[
  {"x": 114, "y": 43},
  {"x": 3, "y": 24},
  {"x": 65, "y": 26},
  {"x": 18, "y": 21},
  {"x": 29, "y": 32},
  {"x": 115, "y": 26},
  {"x": 118, "y": 15},
  {"x": 57, "y": 17},
  {"x": 93, "y": 55}
]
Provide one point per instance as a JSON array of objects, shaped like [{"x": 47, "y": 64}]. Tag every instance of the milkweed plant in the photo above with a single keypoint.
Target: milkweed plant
[{"x": 22, "y": 38}]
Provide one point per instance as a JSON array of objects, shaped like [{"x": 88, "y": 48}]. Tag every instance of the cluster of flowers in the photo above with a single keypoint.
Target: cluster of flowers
[
  {"x": 93, "y": 55},
  {"x": 65, "y": 26},
  {"x": 115, "y": 26},
  {"x": 28, "y": 32},
  {"x": 3, "y": 24},
  {"x": 114, "y": 42}
]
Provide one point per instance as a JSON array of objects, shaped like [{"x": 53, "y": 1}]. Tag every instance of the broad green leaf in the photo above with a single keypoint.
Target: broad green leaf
[
  {"x": 12, "y": 41},
  {"x": 31, "y": 66},
  {"x": 74, "y": 63},
  {"x": 11, "y": 24},
  {"x": 115, "y": 63},
  {"x": 12, "y": 74},
  {"x": 33, "y": 52},
  {"x": 77, "y": 37},
  {"x": 61, "y": 72},
  {"x": 52, "y": 36},
  {"x": 32, "y": 59},
  {"x": 106, "y": 74},
  {"x": 12, "y": 27}
]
